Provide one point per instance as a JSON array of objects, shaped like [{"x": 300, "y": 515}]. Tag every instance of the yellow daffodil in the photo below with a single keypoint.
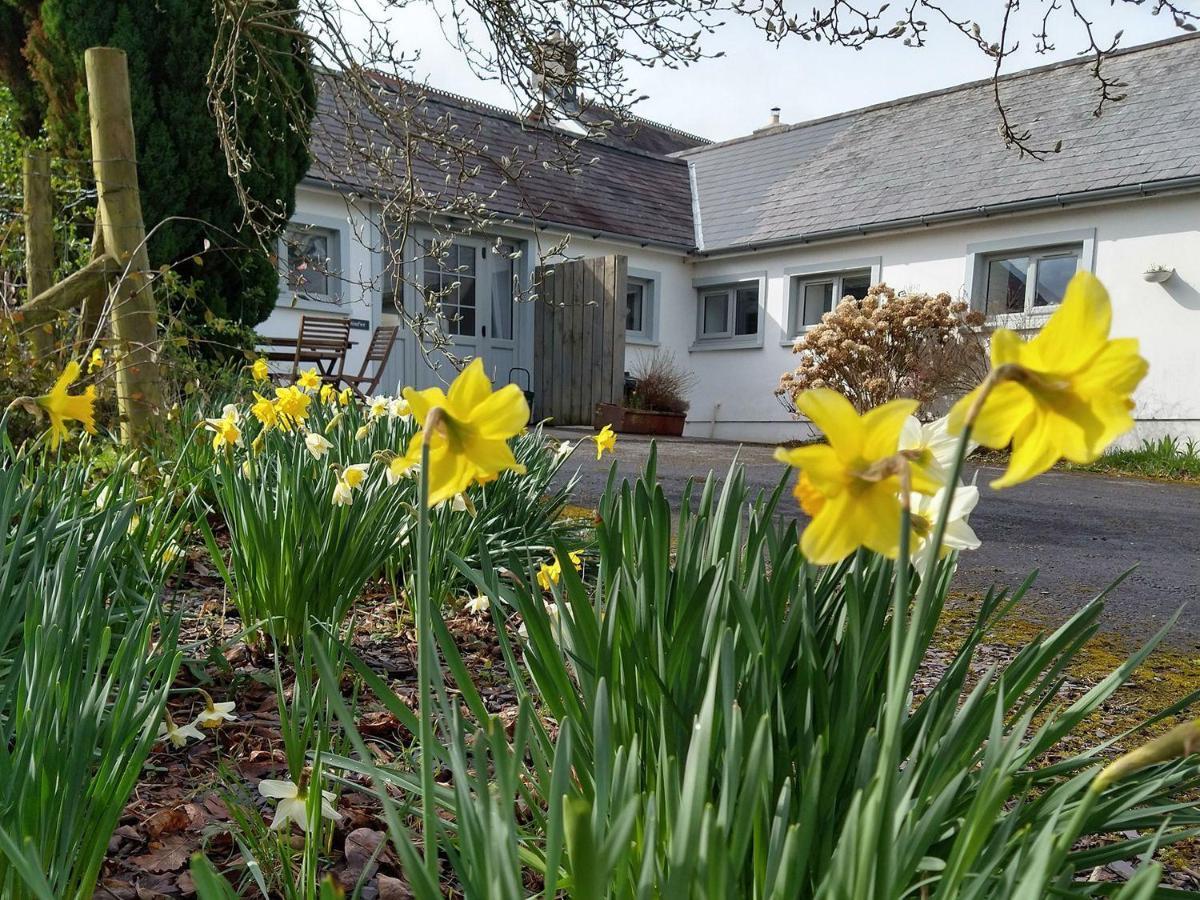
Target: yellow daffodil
[
  {"x": 291, "y": 404},
  {"x": 362, "y": 431},
  {"x": 226, "y": 432},
  {"x": 1067, "y": 393},
  {"x": 469, "y": 444},
  {"x": 178, "y": 734},
  {"x": 96, "y": 361},
  {"x": 850, "y": 485},
  {"x": 605, "y": 440},
  {"x": 170, "y": 553},
  {"x": 327, "y": 393},
  {"x": 215, "y": 714},
  {"x": 309, "y": 380},
  {"x": 549, "y": 574},
  {"x": 265, "y": 411},
  {"x": 317, "y": 444},
  {"x": 345, "y": 395},
  {"x": 260, "y": 371},
  {"x": 62, "y": 407},
  {"x": 293, "y": 803}
]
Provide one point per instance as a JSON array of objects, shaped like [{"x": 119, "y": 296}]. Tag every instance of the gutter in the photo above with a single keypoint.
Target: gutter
[{"x": 1060, "y": 201}]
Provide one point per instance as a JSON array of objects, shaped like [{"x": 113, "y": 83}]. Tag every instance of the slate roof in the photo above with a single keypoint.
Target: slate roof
[
  {"x": 939, "y": 153},
  {"x": 622, "y": 185}
]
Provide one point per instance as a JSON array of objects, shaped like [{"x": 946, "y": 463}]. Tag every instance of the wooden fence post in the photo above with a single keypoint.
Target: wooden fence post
[
  {"x": 123, "y": 236},
  {"x": 39, "y": 235}
]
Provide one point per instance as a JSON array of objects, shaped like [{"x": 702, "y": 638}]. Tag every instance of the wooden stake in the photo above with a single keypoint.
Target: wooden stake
[
  {"x": 39, "y": 234},
  {"x": 123, "y": 234}
]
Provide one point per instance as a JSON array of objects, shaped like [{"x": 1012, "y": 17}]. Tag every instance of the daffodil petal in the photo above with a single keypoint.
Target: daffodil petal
[
  {"x": 882, "y": 426},
  {"x": 277, "y": 789},
  {"x": 503, "y": 414},
  {"x": 471, "y": 387},
  {"x": 827, "y": 539},
  {"x": 836, "y": 417},
  {"x": 820, "y": 462},
  {"x": 1034, "y": 452},
  {"x": 1078, "y": 329}
]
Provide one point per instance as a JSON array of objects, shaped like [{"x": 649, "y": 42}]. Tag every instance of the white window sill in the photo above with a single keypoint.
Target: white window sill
[
  {"x": 746, "y": 342},
  {"x": 1021, "y": 321},
  {"x": 639, "y": 340}
]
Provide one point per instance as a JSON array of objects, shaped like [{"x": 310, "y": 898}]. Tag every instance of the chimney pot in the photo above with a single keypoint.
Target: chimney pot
[{"x": 775, "y": 115}]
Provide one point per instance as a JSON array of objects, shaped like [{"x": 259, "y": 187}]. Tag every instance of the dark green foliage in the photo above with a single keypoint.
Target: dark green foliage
[{"x": 182, "y": 167}]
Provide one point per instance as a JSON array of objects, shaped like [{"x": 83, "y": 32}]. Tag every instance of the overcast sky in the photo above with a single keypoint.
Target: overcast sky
[{"x": 726, "y": 97}]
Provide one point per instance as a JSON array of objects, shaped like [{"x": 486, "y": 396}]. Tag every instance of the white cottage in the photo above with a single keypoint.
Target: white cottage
[{"x": 734, "y": 248}]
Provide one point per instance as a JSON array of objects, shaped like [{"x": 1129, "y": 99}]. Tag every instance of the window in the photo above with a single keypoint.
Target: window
[
  {"x": 729, "y": 311},
  {"x": 815, "y": 295},
  {"x": 449, "y": 281},
  {"x": 312, "y": 260},
  {"x": 504, "y": 287},
  {"x": 635, "y": 305},
  {"x": 1020, "y": 282}
]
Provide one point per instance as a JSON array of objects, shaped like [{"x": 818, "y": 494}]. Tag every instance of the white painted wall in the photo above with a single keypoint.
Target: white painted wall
[
  {"x": 734, "y": 398},
  {"x": 358, "y": 288},
  {"x": 734, "y": 394}
]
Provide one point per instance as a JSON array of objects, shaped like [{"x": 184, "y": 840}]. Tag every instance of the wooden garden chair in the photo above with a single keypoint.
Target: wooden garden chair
[
  {"x": 379, "y": 352},
  {"x": 322, "y": 343}
]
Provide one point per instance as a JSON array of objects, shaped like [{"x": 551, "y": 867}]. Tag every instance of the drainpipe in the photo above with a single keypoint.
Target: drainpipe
[{"x": 712, "y": 431}]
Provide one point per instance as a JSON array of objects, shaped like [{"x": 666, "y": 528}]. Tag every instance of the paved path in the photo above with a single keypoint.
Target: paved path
[{"x": 1080, "y": 531}]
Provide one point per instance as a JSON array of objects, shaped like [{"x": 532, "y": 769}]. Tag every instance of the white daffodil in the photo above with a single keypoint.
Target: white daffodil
[
  {"x": 317, "y": 444},
  {"x": 231, "y": 412},
  {"x": 354, "y": 475},
  {"x": 362, "y": 432},
  {"x": 564, "y": 449},
  {"x": 934, "y": 444},
  {"x": 398, "y": 408},
  {"x": 215, "y": 714},
  {"x": 478, "y": 605},
  {"x": 397, "y": 470},
  {"x": 293, "y": 803},
  {"x": 379, "y": 406},
  {"x": 102, "y": 497},
  {"x": 342, "y": 493},
  {"x": 170, "y": 553},
  {"x": 959, "y": 534},
  {"x": 178, "y": 734}
]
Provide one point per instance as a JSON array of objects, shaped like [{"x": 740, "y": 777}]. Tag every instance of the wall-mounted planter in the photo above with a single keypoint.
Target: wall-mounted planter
[
  {"x": 1157, "y": 276},
  {"x": 638, "y": 421}
]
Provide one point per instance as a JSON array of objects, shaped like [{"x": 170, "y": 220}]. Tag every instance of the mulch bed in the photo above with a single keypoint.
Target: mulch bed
[{"x": 177, "y": 810}]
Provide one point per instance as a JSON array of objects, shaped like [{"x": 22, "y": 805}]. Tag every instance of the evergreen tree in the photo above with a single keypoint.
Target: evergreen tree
[{"x": 181, "y": 166}]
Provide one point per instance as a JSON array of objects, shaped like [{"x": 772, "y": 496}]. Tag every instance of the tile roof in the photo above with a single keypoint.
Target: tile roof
[
  {"x": 622, "y": 185},
  {"x": 940, "y": 153}
]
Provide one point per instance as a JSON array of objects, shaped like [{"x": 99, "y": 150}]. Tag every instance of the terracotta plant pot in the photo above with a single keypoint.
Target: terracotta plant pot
[{"x": 638, "y": 421}]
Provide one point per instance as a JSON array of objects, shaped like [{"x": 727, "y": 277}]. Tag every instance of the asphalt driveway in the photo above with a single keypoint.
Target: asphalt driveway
[{"x": 1080, "y": 531}]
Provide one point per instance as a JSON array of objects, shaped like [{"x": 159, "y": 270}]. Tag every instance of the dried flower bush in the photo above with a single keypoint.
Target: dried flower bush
[
  {"x": 660, "y": 384},
  {"x": 888, "y": 345}
]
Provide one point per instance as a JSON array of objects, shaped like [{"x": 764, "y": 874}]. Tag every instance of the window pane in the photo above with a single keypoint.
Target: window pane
[
  {"x": 856, "y": 284},
  {"x": 1053, "y": 273},
  {"x": 745, "y": 316},
  {"x": 818, "y": 300},
  {"x": 502, "y": 295},
  {"x": 1006, "y": 280},
  {"x": 635, "y": 295},
  {"x": 308, "y": 261},
  {"x": 716, "y": 313}
]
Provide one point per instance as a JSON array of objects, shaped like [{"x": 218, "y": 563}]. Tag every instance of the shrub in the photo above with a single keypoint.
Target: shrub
[
  {"x": 890, "y": 345},
  {"x": 660, "y": 385}
]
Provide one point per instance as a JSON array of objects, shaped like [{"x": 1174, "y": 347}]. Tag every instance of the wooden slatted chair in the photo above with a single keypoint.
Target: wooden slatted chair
[
  {"x": 379, "y": 352},
  {"x": 322, "y": 342}
]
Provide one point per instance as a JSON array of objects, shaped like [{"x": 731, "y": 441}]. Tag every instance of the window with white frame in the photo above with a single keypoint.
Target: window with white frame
[
  {"x": 728, "y": 311},
  {"x": 1024, "y": 281},
  {"x": 313, "y": 259},
  {"x": 814, "y": 295}
]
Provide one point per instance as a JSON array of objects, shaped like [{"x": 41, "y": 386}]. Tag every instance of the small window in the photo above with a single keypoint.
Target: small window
[
  {"x": 312, "y": 255},
  {"x": 815, "y": 295},
  {"x": 1024, "y": 281},
  {"x": 635, "y": 306},
  {"x": 729, "y": 312}
]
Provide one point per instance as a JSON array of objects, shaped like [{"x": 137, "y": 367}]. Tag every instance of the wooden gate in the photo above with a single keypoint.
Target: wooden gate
[{"x": 579, "y": 338}]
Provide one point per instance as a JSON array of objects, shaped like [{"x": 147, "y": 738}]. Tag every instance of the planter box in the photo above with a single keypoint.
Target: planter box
[{"x": 638, "y": 421}]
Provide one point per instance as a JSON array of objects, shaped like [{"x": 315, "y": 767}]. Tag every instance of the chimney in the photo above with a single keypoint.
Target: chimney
[
  {"x": 554, "y": 61},
  {"x": 772, "y": 123}
]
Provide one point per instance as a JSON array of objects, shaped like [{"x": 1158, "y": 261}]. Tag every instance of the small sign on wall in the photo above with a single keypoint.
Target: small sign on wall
[{"x": 360, "y": 324}]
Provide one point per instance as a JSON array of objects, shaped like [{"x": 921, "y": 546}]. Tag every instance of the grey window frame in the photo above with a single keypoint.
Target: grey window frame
[
  {"x": 979, "y": 255},
  {"x": 729, "y": 285},
  {"x": 333, "y": 229},
  {"x": 648, "y": 334},
  {"x": 795, "y": 311}
]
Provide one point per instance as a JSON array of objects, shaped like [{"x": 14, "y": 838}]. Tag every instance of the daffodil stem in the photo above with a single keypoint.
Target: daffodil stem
[{"x": 426, "y": 652}]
